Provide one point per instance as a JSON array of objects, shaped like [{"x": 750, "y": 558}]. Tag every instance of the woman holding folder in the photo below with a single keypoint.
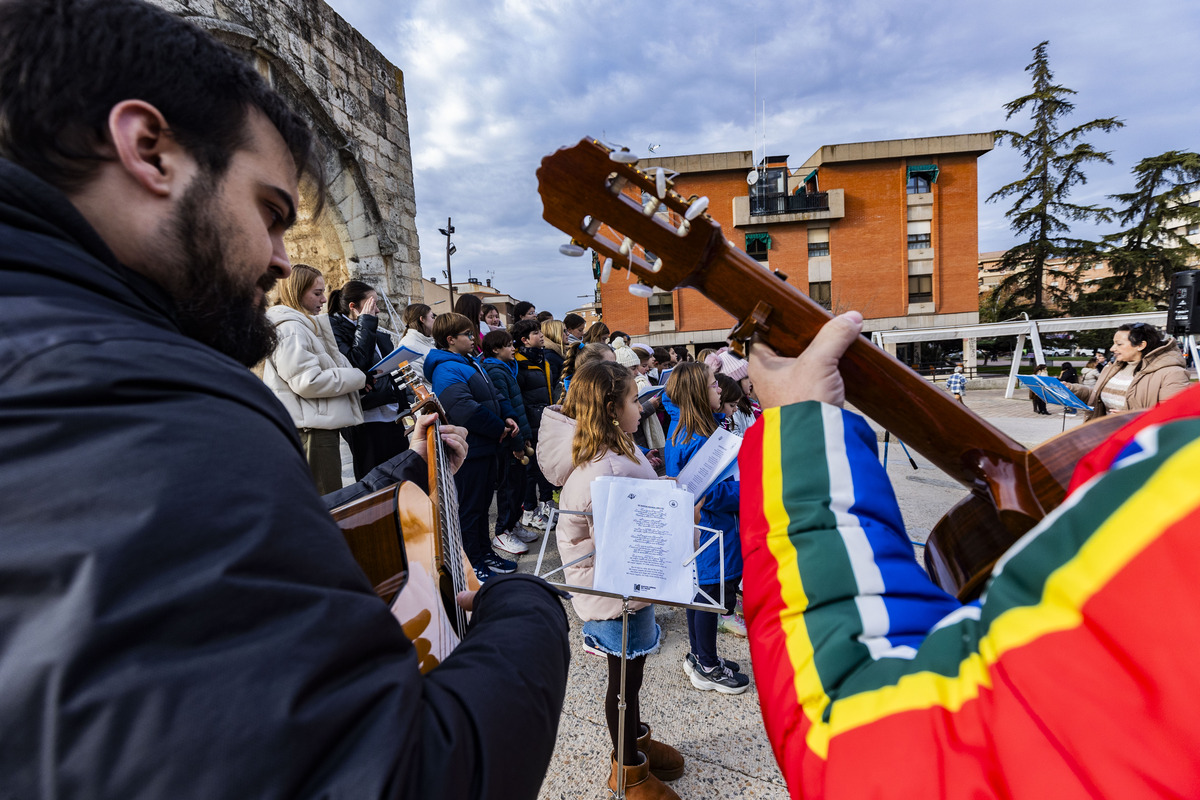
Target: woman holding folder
[{"x": 353, "y": 313}]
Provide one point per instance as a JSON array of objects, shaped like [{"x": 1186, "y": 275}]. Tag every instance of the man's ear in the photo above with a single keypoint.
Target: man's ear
[{"x": 146, "y": 149}]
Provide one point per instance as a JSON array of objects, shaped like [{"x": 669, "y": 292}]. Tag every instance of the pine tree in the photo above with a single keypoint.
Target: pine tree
[
  {"x": 1144, "y": 255},
  {"x": 1054, "y": 162}
]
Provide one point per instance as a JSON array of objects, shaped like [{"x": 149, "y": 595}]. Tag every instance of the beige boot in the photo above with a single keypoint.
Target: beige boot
[
  {"x": 666, "y": 763},
  {"x": 639, "y": 783}
]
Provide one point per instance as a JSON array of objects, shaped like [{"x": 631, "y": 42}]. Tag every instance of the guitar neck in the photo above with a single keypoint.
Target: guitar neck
[{"x": 949, "y": 434}]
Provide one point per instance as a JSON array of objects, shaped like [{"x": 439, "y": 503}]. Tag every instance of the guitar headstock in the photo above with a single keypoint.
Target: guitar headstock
[
  {"x": 586, "y": 186},
  {"x": 427, "y": 402}
]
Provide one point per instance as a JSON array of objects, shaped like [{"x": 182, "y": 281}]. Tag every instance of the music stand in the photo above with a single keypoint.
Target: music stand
[
  {"x": 716, "y": 607},
  {"x": 1052, "y": 390}
]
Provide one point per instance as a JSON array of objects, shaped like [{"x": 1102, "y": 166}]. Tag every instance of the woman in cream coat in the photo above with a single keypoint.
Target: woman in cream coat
[{"x": 310, "y": 376}]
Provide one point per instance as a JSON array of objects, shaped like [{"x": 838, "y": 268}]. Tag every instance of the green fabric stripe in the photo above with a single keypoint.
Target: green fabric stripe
[{"x": 832, "y": 620}]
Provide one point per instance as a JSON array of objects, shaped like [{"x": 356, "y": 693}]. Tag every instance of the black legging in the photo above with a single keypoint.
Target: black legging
[{"x": 633, "y": 720}]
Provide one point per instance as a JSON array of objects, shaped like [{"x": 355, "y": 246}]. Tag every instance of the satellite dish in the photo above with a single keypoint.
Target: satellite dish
[{"x": 752, "y": 177}]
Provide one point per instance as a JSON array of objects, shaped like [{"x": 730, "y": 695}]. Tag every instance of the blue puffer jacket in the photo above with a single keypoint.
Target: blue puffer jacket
[
  {"x": 504, "y": 378},
  {"x": 469, "y": 398},
  {"x": 720, "y": 504}
]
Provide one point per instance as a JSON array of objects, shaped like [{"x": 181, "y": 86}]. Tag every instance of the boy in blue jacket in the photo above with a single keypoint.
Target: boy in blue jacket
[{"x": 471, "y": 402}]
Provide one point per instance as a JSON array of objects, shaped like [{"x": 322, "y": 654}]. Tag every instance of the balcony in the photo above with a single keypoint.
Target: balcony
[
  {"x": 789, "y": 203},
  {"x": 789, "y": 208}
]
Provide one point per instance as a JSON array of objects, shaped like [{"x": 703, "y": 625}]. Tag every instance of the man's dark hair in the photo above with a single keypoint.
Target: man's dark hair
[
  {"x": 496, "y": 340},
  {"x": 522, "y": 308},
  {"x": 572, "y": 321},
  {"x": 523, "y": 328},
  {"x": 64, "y": 64},
  {"x": 452, "y": 324}
]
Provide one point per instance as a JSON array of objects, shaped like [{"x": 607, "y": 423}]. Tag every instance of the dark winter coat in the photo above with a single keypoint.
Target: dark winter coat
[
  {"x": 504, "y": 378},
  {"x": 359, "y": 342},
  {"x": 534, "y": 378},
  {"x": 179, "y": 616},
  {"x": 469, "y": 398}
]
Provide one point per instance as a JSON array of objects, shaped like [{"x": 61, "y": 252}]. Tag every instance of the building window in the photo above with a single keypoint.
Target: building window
[
  {"x": 1193, "y": 230},
  {"x": 921, "y": 178},
  {"x": 919, "y": 241},
  {"x": 818, "y": 242},
  {"x": 662, "y": 307},
  {"x": 920, "y": 288},
  {"x": 757, "y": 245},
  {"x": 820, "y": 292},
  {"x": 918, "y": 184}
]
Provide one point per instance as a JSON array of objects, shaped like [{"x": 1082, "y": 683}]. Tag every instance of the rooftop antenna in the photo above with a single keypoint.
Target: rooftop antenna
[{"x": 752, "y": 176}]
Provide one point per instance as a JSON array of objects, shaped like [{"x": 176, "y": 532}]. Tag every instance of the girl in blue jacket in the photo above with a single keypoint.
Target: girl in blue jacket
[{"x": 693, "y": 397}]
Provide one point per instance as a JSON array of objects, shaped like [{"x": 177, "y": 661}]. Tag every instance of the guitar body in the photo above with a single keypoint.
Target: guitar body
[
  {"x": 392, "y": 536},
  {"x": 968, "y": 541}
]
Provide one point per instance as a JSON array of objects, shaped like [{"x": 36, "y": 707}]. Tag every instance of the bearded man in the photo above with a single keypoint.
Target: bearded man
[{"x": 179, "y": 616}]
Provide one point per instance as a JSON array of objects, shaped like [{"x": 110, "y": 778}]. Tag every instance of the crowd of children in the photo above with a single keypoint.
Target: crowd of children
[{"x": 548, "y": 406}]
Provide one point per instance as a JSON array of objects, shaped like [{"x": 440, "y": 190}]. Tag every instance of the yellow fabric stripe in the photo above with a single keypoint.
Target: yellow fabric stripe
[
  {"x": 800, "y": 651},
  {"x": 1171, "y": 494}
]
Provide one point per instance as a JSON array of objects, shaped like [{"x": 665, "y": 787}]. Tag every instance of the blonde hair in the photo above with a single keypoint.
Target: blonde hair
[
  {"x": 556, "y": 335},
  {"x": 688, "y": 389},
  {"x": 596, "y": 393},
  {"x": 296, "y": 285}
]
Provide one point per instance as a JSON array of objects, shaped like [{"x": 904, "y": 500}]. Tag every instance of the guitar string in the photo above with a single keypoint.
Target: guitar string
[{"x": 451, "y": 532}]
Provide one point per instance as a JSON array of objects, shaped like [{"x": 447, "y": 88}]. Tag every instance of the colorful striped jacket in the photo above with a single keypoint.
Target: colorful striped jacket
[{"x": 1073, "y": 678}]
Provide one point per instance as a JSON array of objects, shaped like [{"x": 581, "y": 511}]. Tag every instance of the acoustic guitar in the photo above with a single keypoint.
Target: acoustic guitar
[
  {"x": 589, "y": 185},
  {"x": 409, "y": 545}
]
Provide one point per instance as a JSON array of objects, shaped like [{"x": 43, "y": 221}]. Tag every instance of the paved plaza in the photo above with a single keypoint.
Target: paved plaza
[{"x": 722, "y": 736}]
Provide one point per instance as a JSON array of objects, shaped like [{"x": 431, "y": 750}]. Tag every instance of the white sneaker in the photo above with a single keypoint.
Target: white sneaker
[
  {"x": 525, "y": 535},
  {"x": 540, "y": 517},
  {"x": 527, "y": 518},
  {"x": 731, "y": 624},
  {"x": 510, "y": 544}
]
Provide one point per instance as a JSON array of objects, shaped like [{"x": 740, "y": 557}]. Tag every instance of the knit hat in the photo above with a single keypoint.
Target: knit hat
[
  {"x": 645, "y": 348},
  {"x": 733, "y": 366},
  {"x": 627, "y": 358}
]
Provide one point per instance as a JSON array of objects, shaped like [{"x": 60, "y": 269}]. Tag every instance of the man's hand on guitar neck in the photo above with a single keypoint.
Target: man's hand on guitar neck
[
  {"x": 454, "y": 440},
  {"x": 780, "y": 381}
]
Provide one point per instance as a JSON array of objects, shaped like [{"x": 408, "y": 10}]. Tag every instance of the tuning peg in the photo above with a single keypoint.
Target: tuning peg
[
  {"x": 626, "y": 246},
  {"x": 657, "y": 265},
  {"x": 573, "y": 249},
  {"x": 696, "y": 208},
  {"x": 651, "y": 206},
  {"x": 640, "y": 290},
  {"x": 683, "y": 228},
  {"x": 606, "y": 270},
  {"x": 660, "y": 183},
  {"x": 623, "y": 156}
]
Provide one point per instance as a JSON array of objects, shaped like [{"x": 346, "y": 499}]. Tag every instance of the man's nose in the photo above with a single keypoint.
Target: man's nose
[{"x": 281, "y": 265}]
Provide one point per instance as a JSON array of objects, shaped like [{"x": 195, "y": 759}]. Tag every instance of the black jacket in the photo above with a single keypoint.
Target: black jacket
[
  {"x": 535, "y": 379},
  {"x": 359, "y": 343},
  {"x": 179, "y": 616}
]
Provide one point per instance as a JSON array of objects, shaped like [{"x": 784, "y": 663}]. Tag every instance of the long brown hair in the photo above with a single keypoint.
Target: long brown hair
[
  {"x": 598, "y": 332},
  {"x": 688, "y": 389},
  {"x": 413, "y": 314},
  {"x": 596, "y": 393}
]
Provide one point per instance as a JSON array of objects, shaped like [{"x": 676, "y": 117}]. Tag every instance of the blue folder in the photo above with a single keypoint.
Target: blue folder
[{"x": 1052, "y": 390}]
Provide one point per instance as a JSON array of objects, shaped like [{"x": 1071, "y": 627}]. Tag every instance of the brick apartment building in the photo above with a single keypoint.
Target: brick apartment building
[{"x": 888, "y": 228}]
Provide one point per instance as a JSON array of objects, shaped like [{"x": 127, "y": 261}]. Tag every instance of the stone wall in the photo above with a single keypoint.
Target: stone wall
[{"x": 355, "y": 100}]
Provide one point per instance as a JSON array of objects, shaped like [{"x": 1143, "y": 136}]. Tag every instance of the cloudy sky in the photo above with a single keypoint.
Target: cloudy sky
[{"x": 493, "y": 87}]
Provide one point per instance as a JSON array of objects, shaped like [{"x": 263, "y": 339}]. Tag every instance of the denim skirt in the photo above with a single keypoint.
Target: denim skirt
[{"x": 605, "y": 634}]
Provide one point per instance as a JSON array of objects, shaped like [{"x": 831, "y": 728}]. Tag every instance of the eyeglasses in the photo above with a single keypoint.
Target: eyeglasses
[{"x": 465, "y": 333}]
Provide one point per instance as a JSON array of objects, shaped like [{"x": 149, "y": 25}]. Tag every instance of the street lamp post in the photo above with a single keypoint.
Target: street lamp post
[{"x": 450, "y": 249}]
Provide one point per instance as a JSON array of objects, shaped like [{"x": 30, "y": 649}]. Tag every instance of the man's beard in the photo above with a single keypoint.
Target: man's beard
[{"x": 212, "y": 306}]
